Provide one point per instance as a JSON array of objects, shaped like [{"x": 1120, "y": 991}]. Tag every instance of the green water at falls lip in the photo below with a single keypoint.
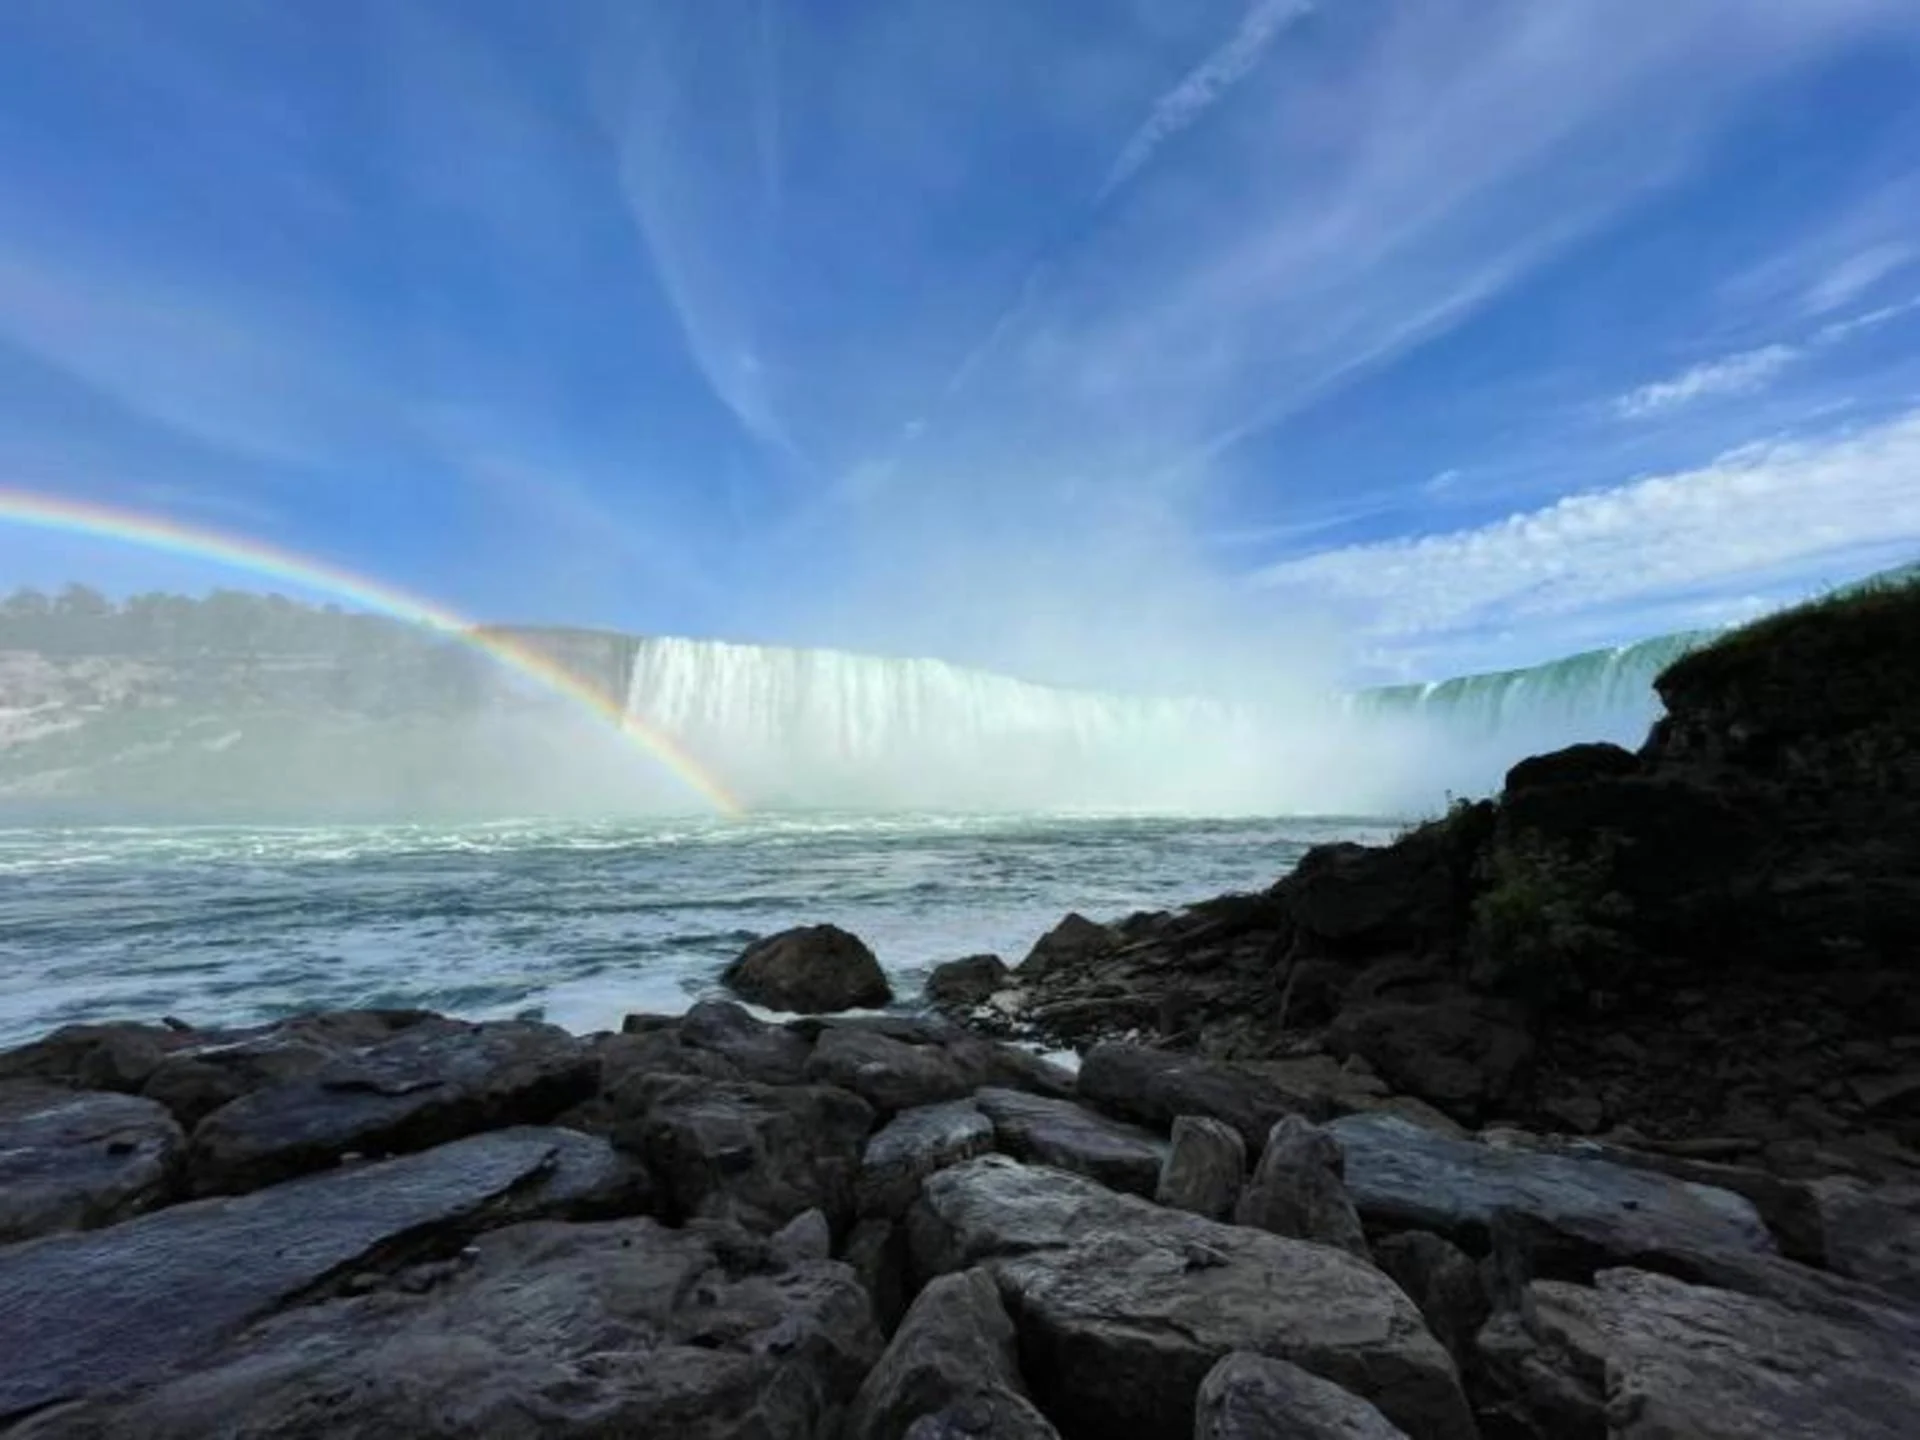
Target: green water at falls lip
[{"x": 582, "y": 923}]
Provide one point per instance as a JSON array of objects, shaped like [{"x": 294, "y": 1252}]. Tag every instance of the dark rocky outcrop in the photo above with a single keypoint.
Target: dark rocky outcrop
[
  {"x": 623, "y": 1327},
  {"x": 423, "y": 1087},
  {"x": 1123, "y": 1307},
  {"x": 952, "y": 1361},
  {"x": 888, "y": 1074},
  {"x": 1255, "y": 1397},
  {"x": 1298, "y": 1189},
  {"x": 89, "y": 1312},
  {"x": 1072, "y": 1137},
  {"x": 74, "y": 1160},
  {"x": 959, "y": 985},
  {"x": 915, "y": 1144},
  {"x": 1443, "y": 1280},
  {"x": 813, "y": 970},
  {"x": 1205, "y": 1170}
]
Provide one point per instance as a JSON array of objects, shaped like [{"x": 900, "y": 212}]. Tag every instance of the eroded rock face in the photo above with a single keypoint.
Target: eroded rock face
[
  {"x": 1205, "y": 1170},
  {"x": 1123, "y": 1307},
  {"x": 544, "y": 1330},
  {"x": 112, "y": 1307},
  {"x": 755, "y": 1154},
  {"x": 915, "y": 1144},
  {"x": 1405, "y": 1177},
  {"x": 952, "y": 1359},
  {"x": 1297, "y": 1189},
  {"x": 812, "y": 970},
  {"x": 1254, "y": 1397},
  {"x": 424, "y": 1087},
  {"x": 1645, "y": 1357},
  {"x": 1072, "y": 1137},
  {"x": 77, "y": 1159}
]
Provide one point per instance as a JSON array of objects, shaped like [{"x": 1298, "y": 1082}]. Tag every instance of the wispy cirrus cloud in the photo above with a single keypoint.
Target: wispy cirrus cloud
[
  {"x": 1783, "y": 509},
  {"x": 1741, "y": 374},
  {"x": 1857, "y": 274}
]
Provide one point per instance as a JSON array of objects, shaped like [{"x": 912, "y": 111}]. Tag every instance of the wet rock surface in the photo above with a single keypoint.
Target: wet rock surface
[
  {"x": 1072, "y": 1137},
  {"x": 813, "y": 970},
  {"x": 74, "y": 1160},
  {"x": 913, "y": 1145}
]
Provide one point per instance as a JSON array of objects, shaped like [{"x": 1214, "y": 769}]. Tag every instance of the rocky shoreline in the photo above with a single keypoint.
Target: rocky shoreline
[{"x": 1589, "y": 1111}]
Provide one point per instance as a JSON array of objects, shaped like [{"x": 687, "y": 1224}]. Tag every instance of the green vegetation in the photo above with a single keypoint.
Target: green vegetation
[{"x": 1545, "y": 925}]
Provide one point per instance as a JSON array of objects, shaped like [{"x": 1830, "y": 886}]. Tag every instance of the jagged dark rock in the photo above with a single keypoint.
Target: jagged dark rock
[
  {"x": 953, "y": 1359},
  {"x": 1071, "y": 1137},
  {"x": 1205, "y": 1170},
  {"x": 1297, "y": 1189},
  {"x": 1255, "y": 1397},
  {"x": 959, "y": 985},
  {"x": 75, "y": 1160},
  {"x": 1443, "y": 1280},
  {"x": 889, "y": 1075},
  {"x": 813, "y": 970},
  {"x": 425, "y": 1086},
  {"x": 554, "y": 1330},
  {"x": 1123, "y": 1307},
  {"x": 912, "y": 1146}
]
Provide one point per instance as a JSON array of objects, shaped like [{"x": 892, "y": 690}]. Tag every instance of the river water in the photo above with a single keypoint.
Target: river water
[{"x": 576, "y": 923}]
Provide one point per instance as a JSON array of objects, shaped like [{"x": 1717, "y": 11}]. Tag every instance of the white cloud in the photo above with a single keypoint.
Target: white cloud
[
  {"x": 1872, "y": 319},
  {"x": 1740, "y": 374},
  {"x": 1203, "y": 86},
  {"x": 1856, "y": 275},
  {"x": 1765, "y": 508}
]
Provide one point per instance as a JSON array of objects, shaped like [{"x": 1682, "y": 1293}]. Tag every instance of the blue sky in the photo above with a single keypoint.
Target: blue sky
[{"x": 1121, "y": 343}]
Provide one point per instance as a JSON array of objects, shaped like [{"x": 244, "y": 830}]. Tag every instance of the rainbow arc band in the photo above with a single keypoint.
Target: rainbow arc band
[{"x": 257, "y": 557}]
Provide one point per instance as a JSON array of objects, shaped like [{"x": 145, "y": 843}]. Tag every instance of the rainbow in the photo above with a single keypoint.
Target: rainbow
[{"x": 45, "y": 512}]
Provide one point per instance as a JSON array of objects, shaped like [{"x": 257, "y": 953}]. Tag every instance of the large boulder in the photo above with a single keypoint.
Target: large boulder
[
  {"x": 1255, "y": 1397},
  {"x": 813, "y": 970},
  {"x": 90, "y": 1312},
  {"x": 963, "y": 984},
  {"x": 1155, "y": 1087},
  {"x": 1645, "y": 1357},
  {"x": 953, "y": 1358},
  {"x": 1443, "y": 1280},
  {"x": 1073, "y": 944},
  {"x": 763, "y": 1053},
  {"x": 1123, "y": 1306},
  {"x": 1462, "y": 1053},
  {"x": 1071, "y": 1137},
  {"x": 424, "y": 1087},
  {"x": 1297, "y": 1189},
  {"x": 1405, "y": 1177},
  {"x": 888, "y": 1074},
  {"x": 1206, "y": 1168},
  {"x": 73, "y": 1160},
  {"x": 622, "y": 1328},
  {"x": 915, "y": 1144},
  {"x": 758, "y": 1155}
]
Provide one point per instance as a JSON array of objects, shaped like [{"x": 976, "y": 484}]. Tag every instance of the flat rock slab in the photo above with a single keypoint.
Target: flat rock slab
[
  {"x": 1123, "y": 1306},
  {"x": 545, "y": 1330},
  {"x": 1405, "y": 1177},
  {"x": 915, "y": 1144},
  {"x": 87, "y": 1312},
  {"x": 1646, "y": 1357},
  {"x": 424, "y": 1087},
  {"x": 888, "y": 1074},
  {"x": 1060, "y": 1133},
  {"x": 77, "y": 1159},
  {"x": 1254, "y": 1397}
]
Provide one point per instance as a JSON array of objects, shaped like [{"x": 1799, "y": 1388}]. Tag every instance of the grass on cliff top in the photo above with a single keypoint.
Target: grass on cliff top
[{"x": 1848, "y": 658}]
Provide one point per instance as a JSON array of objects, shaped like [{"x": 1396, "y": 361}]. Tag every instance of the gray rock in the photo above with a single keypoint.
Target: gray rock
[
  {"x": 963, "y": 984},
  {"x": 952, "y": 1359},
  {"x": 1205, "y": 1170},
  {"x": 1442, "y": 1280},
  {"x": 1155, "y": 1087},
  {"x": 888, "y": 1074},
  {"x": 763, "y": 1053},
  {"x": 1072, "y": 1137},
  {"x": 805, "y": 1237},
  {"x": 1405, "y": 1177},
  {"x": 755, "y": 1154},
  {"x": 912, "y": 1146},
  {"x": 1297, "y": 1189},
  {"x": 1646, "y": 1357},
  {"x": 1123, "y": 1306},
  {"x": 426, "y": 1086},
  {"x": 1009, "y": 1067},
  {"x": 77, "y": 1159},
  {"x": 1071, "y": 944},
  {"x": 813, "y": 970},
  {"x": 877, "y": 1252},
  {"x": 1254, "y": 1397},
  {"x": 94, "y": 1057},
  {"x": 544, "y": 1330},
  {"x": 112, "y": 1307},
  {"x": 1461, "y": 1053},
  {"x": 1872, "y": 1234}
]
